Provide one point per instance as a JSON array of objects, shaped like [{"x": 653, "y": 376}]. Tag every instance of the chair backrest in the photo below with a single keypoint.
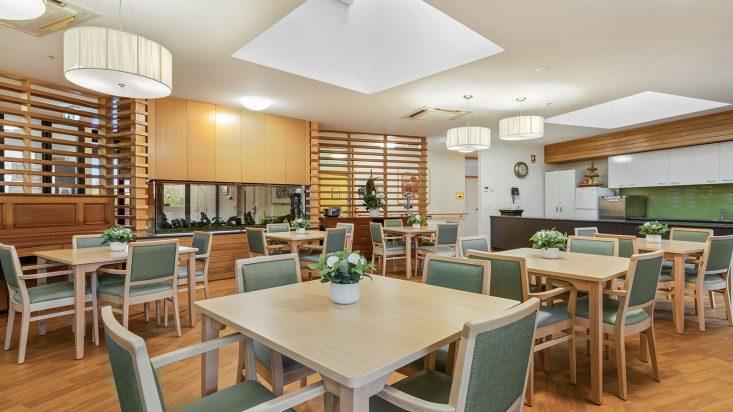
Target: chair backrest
[
  {"x": 593, "y": 245},
  {"x": 627, "y": 245},
  {"x": 377, "y": 232},
  {"x": 349, "y": 227},
  {"x": 446, "y": 234},
  {"x": 10, "y": 264},
  {"x": 719, "y": 251},
  {"x": 493, "y": 361},
  {"x": 457, "y": 273},
  {"x": 277, "y": 227},
  {"x": 393, "y": 223},
  {"x": 256, "y": 242},
  {"x": 585, "y": 231},
  {"x": 690, "y": 234},
  {"x": 150, "y": 260},
  {"x": 509, "y": 277},
  {"x": 264, "y": 272},
  {"x": 137, "y": 383},
  {"x": 335, "y": 240},
  {"x": 202, "y": 241},
  {"x": 85, "y": 241},
  {"x": 466, "y": 243},
  {"x": 642, "y": 279}
]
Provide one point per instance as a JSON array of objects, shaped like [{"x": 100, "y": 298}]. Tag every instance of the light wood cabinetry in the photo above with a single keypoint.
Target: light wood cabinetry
[
  {"x": 201, "y": 140},
  {"x": 253, "y": 148},
  {"x": 275, "y": 148},
  {"x": 296, "y": 152},
  {"x": 171, "y": 149},
  {"x": 228, "y": 163}
]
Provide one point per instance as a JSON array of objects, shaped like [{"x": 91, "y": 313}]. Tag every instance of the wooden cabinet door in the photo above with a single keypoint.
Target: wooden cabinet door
[
  {"x": 296, "y": 152},
  {"x": 726, "y": 162},
  {"x": 253, "y": 147},
  {"x": 275, "y": 149},
  {"x": 170, "y": 139},
  {"x": 228, "y": 145},
  {"x": 201, "y": 141}
]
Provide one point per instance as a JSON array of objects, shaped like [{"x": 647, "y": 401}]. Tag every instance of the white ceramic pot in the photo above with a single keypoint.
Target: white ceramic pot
[
  {"x": 654, "y": 238},
  {"x": 300, "y": 230},
  {"x": 373, "y": 212},
  {"x": 117, "y": 246},
  {"x": 551, "y": 253},
  {"x": 345, "y": 294},
  {"x": 416, "y": 226}
]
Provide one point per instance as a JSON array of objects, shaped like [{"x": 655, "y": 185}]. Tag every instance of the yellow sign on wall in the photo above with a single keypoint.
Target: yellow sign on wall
[{"x": 459, "y": 195}]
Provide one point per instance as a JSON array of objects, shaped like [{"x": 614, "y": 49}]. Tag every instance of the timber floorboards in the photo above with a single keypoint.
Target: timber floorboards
[{"x": 696, "y": 368}]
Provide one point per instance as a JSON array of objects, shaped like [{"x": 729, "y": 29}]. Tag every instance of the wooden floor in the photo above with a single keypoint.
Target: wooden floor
[{"x": 696, "y": 370}]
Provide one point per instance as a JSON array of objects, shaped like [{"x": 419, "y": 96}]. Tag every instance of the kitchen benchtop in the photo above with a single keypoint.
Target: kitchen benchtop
[{"x": 670, "y": 222}]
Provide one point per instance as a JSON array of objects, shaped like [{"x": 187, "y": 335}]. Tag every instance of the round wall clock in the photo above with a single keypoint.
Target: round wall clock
[{"x": 521, "y": 169}]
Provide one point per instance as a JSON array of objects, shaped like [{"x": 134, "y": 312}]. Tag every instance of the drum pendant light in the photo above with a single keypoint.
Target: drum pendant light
[
  {"x": 522, "y": 127},
  {"x": 469, "y": 138}
]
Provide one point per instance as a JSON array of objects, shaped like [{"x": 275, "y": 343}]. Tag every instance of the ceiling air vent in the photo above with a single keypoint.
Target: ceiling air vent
[
  {"x": 435, "y": 114},
  {"x": 59, "y": 15}
]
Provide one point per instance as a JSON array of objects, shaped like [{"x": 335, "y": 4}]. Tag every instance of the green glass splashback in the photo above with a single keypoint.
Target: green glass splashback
[{"x": 701, "y": 202}]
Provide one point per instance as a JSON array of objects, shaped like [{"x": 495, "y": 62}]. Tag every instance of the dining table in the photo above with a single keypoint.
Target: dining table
[
  {"x": 353, "y": 347},
  {"x": 678, "y": 251},
  {"x": 409, "y": 233},
  {"x": 87, "y": 260},
  {"x": 586, "y": 272},
  {"x": 295, "y": 239}
]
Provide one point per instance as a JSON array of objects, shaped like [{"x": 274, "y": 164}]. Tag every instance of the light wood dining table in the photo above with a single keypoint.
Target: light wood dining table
[
  {"x": 677, "y": 251},
  {"x": 295, "y": 238},
  {"x": 410, "y": 233},
  {"x": 353, "y": 347},
  {"x": 87, "y": 260},
  {"x": 589, "y": 273}
]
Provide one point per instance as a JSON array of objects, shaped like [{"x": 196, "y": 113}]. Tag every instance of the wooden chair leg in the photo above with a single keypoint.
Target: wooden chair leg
[
  {"x": 304, "y": 382},
  {"x": 157, "y": 312},
  {"x": 95, "y": 320},
  {"x": 726, "y": 296},
  {"x": 9, "y": 327},
  {"x": 206, "y": 287},
  {"x": 571, "y": 357},
  {"x": 621, "y": 367},
  {"x": 125, "y": 314},
  {"x": 384, "y": 265},
  {"x": 652, "y": 343},
  {"x": 176, "y": 316},
  {"x": 643, "y": 348},
  {"x": 146, "y": 307},
  {"x": 700, "y": 305},
  {"x": 240, "y": 362},
  {"x": 546, "y": 354},
  {"x": 25, "y": 321},
  {"x": 529, "y": 393},
  {"x": 713, "y": 304},
  {"x": 165, "y": 313}
]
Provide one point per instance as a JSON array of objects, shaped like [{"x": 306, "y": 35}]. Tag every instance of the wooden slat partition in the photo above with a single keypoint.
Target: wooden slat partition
[
  {"x": 710, "y": 128},
  {"x": 340, "y": 163}
]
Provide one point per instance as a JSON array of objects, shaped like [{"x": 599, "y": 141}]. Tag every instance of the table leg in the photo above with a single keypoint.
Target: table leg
[
  {"x": 340, "y": 398},
  {"x": 209, "y": 360},
  {"x": 79, "y": 295},
  {"x": 191, "y": 288},
  {"x": 679, "y": 292},
  {"x": 596, "y": 341},
  {"x": 293, "y": 247},
  {"x": 42, "y": 322},
  {"x": 408, "y": 253}
]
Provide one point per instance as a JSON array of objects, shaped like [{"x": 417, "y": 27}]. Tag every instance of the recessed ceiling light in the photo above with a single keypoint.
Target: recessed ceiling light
[
  {"x": 256, "y": 103},
  {"x": 638, "y": 108},
  {"x": 541, "y": 69},
  {"x": 21, "y": 9}
]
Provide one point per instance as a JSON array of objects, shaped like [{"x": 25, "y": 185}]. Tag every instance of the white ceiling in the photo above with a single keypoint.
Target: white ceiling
[{"x": 569, "y": 53}]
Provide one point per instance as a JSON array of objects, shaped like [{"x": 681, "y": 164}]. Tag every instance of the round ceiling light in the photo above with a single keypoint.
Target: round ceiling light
[
  {"x": 468, "y": 138},
  {"x": 117, "y": 63},
  {"x": 522, "y": 127},
  {"x": 21, "y": 9},
  {"x": 256, "y": 103}
]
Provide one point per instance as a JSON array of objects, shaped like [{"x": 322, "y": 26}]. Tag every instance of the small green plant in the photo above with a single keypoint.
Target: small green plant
[
  {"x": 415, "y": 220},
  {"x": 547, "y": 239},
  {"x": 653, "y": 228},
  {"x": 117, "y": 234},
  {"x": 301, "y": 223},
  {"x": 372, "y": 198},
  {"x": 343, "y": 267},
  {"x": 217, "y": 221}
]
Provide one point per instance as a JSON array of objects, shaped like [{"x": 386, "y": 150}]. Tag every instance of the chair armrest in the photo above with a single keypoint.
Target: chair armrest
[
  {"x": 615, "y": 292},
  {"x": 198, "y": 349},
  {"x": 112, "y": 271},
  {"x": 202, "y": 256},
  {"x": 46, "y": 275},
  {"x": 42, "y": 266},
  {"x": 412, "y": 403},
  {"x": 552, "y": 292},
  {"x": 291, "y": 399}
]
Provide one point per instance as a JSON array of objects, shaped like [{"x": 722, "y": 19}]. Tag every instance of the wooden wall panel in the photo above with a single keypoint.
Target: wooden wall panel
[
  {"x": 171, "y": 149},
  {"x": 201, "y": 141},
  {"x": 226, "y": 249},
  {"x": 275, "y": 148},
  {"x": 710, "y": 128},
  {"x": 43, "y": 214},
  {"x": 296, "y": 152},
  {"x": 228, "y": 163},
  {"x": 253, "y": 147}
]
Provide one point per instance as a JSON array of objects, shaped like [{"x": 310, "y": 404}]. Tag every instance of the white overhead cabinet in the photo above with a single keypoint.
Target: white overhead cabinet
[
  {"x": 560, "y": 194},
  {"x": 725, "y": 155},
  {"x": 680, "y": 166}
]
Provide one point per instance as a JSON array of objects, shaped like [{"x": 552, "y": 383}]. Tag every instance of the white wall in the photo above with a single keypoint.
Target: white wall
[{"x": 447, "y": 171}]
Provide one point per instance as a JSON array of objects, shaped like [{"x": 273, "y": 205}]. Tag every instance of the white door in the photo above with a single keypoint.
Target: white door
[
  {"x": 551, "y": 195},
  {"x": 566, "y": 194},
  {"x": 471, "y": 226},
  {"x": 726, "y": 162}
]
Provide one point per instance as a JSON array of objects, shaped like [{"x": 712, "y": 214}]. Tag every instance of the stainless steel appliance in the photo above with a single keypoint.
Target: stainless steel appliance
[
  {"x": 333, "y": 211},
  {"x": 622, "y": 207}
]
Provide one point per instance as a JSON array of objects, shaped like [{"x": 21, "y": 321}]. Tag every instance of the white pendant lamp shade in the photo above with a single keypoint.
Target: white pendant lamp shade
[
  {"x": 521, "y": 127},
  {"x": 117, "y": 63},
  {"x": 21, "y": 9},
  {"x": 468, "y": 139}
]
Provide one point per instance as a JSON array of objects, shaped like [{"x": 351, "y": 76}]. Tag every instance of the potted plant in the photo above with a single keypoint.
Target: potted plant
[
  {"x": 301, "y": 224},
  {"x": 372, "y": 198},
  {"x": 117, "y": 237},
  {"x": 653, "y": 230},
  {"x": 415, "y": 221},
  {"x": 550, "y": 241},
  {"x": 344, "y": 270}
]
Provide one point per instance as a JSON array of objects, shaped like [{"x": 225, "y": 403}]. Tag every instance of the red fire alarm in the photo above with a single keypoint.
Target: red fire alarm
[{"x": 533, "y": 158}]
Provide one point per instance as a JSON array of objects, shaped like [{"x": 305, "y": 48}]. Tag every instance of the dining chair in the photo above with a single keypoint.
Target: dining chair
[
  {"x": 150, "y": 275},
  {"x": 711, "y": 275},
  {"x": 349, "y": 227},
  {"x": 491, "y": 370},
  {"x": 266, "y": 272},
  {"x": 386, "y": 248},
  {"x": 278, "y": 228},
  {"x": 393, "y": 223},
  {"x": 479, "y": 243},
  {"x": 334, "y": 241},
  {"x": 593, "y": 245},
  {"x": 257, "y": 243},
  {"x": 446, "y": 243},
  {"x": 629, "y": 311},
  {"x": 201, "y": 241},
  {"x": 85, "y": 241},
  {"x": 555, "y": 325},
  {"x": 135, "y": 375},
  {"x": 585, "y": 231},
  {"x": 45, "y": 297},
  {"x": 627, "y": 244},
  {"x": 690, "y": 234}
]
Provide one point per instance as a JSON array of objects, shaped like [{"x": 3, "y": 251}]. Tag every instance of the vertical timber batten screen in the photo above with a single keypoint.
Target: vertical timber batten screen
[{"x": 341, "y": 162}]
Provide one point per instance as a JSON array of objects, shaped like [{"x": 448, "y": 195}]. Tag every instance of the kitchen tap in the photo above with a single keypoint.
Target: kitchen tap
[{"x": 722, "y": 214}]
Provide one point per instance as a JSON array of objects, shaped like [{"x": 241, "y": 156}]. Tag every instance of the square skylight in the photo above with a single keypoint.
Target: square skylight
[
  {"x": 368, "y": 46},
  {"x": 638, "y": 108}
]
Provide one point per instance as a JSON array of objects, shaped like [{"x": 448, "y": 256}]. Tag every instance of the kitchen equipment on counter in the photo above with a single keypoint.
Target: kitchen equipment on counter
[
  {"x": 333, "y": 211},
  {"x": 586, "y": 201},
  {"x": 511, "y": 212},
  {"x": 622, "y": 207}
]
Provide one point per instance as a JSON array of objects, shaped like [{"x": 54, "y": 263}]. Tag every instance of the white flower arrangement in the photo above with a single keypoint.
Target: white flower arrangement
[
  {"x": 415, "y": 220},
  {"x": 547, "y": 239},
  {"x": 301, "y": 223},
  {"x": 653, "y": 228},
  {"x": 119, "y": 234}
]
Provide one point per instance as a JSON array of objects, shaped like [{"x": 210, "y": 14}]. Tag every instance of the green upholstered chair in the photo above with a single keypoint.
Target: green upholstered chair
[
  {"x": 593, "y": 245},
  {"x": 257, "y": 244},
  {"x": 86, "y": 241},
  {"x": 446, "y": 243},
  {"x": 490, "y": 375},
  {"x": 478, "y": 243},
  {"x": 555, "y": 325},
  {"x": 138, "y": 388},
  {"x": 585, "y": 231},
  {"x": 629, "y": 311},
  {"x": 393, "y": 223},
  {"x": 349, "y": 227},
  {"x": 277, "y": 227},
  {"x": 201, "y": 241},
  {"x": 150, "y": 275},
  {"x": 26, "y": 299},
  {"x": 690, "y": 234},
  {"x": 335, "y": 240},
  {"x": 266, "y": 272},
  {"x": 627, "y": 245},
  {"x": 386, "y": 248}
]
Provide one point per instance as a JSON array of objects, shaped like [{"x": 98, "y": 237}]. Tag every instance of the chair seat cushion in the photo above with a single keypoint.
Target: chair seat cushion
[
  {"x": 49, "y": 291},
  {"x": 610, "y": 310},
  {"x": 392, "y": 245},
  {"x": 239, "y": 397},
  {"x": 310, "y": 257},
  {"x": 183, "y": 272},
  {"x": 534, "y": 288},
  {"x": 441, "y": 249},
  {"x": 547, "y": 315},
  {"x": 432, "y": 386},
  {"x": 262, "y": 354},
  {"x": 117, "y": 288},
  {"x": 691, "y": 276},
  {"x": 108, "y": 277}
]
